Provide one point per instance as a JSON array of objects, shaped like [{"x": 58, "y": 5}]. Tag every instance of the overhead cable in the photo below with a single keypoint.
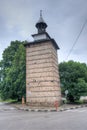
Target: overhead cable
[{"x": 76, "y": 40}]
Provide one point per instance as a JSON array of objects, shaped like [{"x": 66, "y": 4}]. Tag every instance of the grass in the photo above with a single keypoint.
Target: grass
[{"x": 8, "y": 101}]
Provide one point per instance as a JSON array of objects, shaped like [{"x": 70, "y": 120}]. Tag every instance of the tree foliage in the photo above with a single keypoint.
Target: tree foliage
[
  {"x": 13, "y": 71},
  {"x": 73, "y": 76}
]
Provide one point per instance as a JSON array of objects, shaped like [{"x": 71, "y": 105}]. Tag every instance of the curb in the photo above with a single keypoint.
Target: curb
[{"x": 51, "y": 110}]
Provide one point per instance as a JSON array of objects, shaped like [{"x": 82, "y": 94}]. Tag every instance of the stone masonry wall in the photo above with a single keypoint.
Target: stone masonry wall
[{"x": 42, "y": 76}]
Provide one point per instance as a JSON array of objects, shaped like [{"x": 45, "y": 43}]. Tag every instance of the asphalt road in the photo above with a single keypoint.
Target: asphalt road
[{"x": 13, "y": 119}]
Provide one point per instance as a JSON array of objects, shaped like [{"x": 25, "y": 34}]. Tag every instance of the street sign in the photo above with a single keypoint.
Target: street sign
[{"x": 66, "y": 92}]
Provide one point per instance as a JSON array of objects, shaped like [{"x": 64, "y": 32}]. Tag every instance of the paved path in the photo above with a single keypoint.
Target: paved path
[
  {"x": 44, "y": 109},
  {"x": 6, "y": 106},
  {"x": 81, "y": 110},
  {"x": 13, "y": 119}
]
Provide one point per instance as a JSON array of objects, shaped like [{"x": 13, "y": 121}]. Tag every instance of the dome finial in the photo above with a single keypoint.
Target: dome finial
[
  {"x": 40, "y": 13},
  {"x": 41, "y": 25}
]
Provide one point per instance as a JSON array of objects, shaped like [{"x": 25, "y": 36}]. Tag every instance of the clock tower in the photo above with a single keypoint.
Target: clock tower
[{"x": 42, "y": 75}]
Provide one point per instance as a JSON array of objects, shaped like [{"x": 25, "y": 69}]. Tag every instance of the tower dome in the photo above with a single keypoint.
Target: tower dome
[{"x": 41, "y": 25}]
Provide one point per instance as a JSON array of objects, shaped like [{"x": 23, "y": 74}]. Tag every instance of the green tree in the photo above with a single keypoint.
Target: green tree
[
  {"x": 0, "y": 76},
  {"x": 73, "y": 76},
  {"x": 13, "y": 71},
  {"x": 18, "y": 73}
]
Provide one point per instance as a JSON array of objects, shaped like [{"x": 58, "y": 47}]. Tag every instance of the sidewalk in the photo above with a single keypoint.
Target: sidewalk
[{"x": 44, "y": 109}]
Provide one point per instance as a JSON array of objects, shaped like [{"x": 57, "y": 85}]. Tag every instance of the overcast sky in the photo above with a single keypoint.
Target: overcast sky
[{"x": 65, "y": 19}]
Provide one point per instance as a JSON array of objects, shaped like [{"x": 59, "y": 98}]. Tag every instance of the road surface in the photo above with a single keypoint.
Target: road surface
[{"x": 13, "y": 119}]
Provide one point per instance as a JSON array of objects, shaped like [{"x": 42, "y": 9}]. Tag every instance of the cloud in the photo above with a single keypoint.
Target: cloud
[{"x": 64, "y": 18}]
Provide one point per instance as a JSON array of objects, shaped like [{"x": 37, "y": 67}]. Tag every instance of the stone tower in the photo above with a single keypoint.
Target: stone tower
[{"x": 42, "y": 76}]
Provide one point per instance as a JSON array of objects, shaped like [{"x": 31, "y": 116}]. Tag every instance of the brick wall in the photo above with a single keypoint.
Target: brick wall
[{"x": 42, "y": 76}]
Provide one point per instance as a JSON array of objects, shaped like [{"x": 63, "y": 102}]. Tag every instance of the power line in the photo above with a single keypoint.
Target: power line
[{"x": 76, "y": 39}]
